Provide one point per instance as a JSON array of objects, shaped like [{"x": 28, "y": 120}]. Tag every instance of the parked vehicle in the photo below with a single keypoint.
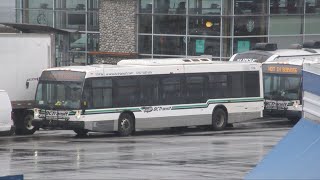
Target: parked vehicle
[
  {"x": 23, "y": 58},
  {"x": 6, "y": 122},
  {"x": 282, "y": 75},
  {"x": 147, "y": 94}
]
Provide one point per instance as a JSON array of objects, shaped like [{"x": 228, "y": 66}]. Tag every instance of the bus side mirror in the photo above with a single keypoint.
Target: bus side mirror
[
  {"x": 27, "y": 84},
  {"x": 84, "y": 106}
]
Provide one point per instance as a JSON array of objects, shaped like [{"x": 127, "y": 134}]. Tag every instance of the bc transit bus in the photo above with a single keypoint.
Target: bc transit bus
[
  {"x": 148, "y": 94},
  {"x": 282, "y": 75}
]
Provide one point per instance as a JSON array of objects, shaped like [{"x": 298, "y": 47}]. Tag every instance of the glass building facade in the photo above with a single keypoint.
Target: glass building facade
[
  {"x": 179, "y": 28},
  {"x": 80, "y": 16}
]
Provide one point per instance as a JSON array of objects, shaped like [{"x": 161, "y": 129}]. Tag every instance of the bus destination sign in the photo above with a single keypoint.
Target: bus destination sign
[
  {"x": 281, "y": 69},
  {"x": 62, "y": 76}
]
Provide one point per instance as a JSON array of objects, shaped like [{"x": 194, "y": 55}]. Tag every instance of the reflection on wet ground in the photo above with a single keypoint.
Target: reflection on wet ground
[{"x": 195, "y": 153}]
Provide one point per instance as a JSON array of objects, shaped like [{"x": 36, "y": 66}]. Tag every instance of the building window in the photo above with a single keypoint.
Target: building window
[
  {"x": 169, "y": 45},
  {"x": 246, "y": 43},
  {"x": 250, "y": 25},
  {"x": 145, "y": 6},
  {"x": 312, "y": 25},
  {"x": 204, "y": 25},
  {"x": 145, "y": 44},
  {"x": 204, "y": 46},
  {"x": 286, "y": 6},
  {"x": 170, "y": 6},
  {"x": 285, "y": 25},
  {"x": 205, "y": 7},
  {"x": 169, "y": 24},
  {"x": 313, "y": 6},
  {"x": 145, "y": 23},
  {"x": 250, "y": 7}
]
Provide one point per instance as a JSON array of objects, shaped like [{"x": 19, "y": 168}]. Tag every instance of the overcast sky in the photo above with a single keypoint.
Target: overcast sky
[{"x": 7, "y": 12}]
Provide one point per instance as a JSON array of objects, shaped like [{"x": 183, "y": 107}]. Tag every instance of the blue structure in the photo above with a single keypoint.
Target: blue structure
[
  {"x": 297, "y": 155},
  {"x": 16, "y": 177}
]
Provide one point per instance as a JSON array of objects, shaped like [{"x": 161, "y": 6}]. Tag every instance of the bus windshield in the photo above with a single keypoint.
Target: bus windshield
[
  {"x": 60, "y": 90},
  {"x": 282, "y": 87},
  {"x": 59, "y": 95}
]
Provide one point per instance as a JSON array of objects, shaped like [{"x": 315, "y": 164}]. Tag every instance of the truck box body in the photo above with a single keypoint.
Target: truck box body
[{"x": 22, "y": 59}]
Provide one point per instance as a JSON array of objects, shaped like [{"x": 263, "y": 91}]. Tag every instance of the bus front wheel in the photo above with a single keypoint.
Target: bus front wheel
[
  {"x": 24, "y": 125},
  {"x": 125, "y": 125},
  {"x": 219, "y": 119}
]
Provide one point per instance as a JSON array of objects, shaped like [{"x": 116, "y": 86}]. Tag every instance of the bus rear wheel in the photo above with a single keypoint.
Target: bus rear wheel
[
  {"x": 219, "y": 119},
  {"x": 125, "y": 125},
  {"x": 81, "y": 132},
  {"x": 294, "y": 120}
]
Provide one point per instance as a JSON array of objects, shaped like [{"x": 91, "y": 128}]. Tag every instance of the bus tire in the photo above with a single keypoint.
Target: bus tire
[
  {"x": 219, "y": 119},
  {"x": 294, "y": 120},
  {"x": 81, "y": 132},
  {"x": 24, "y": 126},
  {"x": 125, "y": 125}
]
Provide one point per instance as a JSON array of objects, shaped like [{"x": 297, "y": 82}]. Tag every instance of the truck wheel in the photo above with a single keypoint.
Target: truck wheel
[
  {"x": 81, "y": 132},
  {"x": 219, "y": 119},
  {"x": 125, "y": 125},
  {"x": 25, "y": 127}
]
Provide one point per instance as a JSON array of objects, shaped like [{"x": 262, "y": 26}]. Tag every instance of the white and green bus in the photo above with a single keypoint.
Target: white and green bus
[
  {"x": 148, "y": 94},
  {"x": 282, "y": 75}
]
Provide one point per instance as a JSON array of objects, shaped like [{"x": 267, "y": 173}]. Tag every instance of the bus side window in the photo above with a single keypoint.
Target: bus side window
[
  {"x": 101, "y": 93},
  {"x": 196, "y": 88},
  {"x": 237, "y": 85},
  {"x": 149, "y": 90},
  {"x": 252, "y": 84},
  {"x": 218, "y": 85},
  {"x": 170, "y": 91},
  {"x": 126, "y": 91}
]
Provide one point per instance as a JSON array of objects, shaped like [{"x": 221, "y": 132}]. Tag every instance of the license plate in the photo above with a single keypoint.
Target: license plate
[
  {"x": 277, "y": 105},
  {"x": 50, "y": 114}
]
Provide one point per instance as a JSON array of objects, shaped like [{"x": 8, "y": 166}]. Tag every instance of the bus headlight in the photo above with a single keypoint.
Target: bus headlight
[
  {"x": 295, "y": 104},
  {"x": 36, "y": 112},
  {"x": 78, "y": 114}
]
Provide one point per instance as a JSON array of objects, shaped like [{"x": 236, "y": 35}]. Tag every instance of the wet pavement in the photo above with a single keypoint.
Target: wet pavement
[{"x": 193, "y": 153}]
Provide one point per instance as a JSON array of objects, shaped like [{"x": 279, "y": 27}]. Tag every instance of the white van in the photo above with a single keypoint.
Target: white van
[{"x": 6, "y": 123}]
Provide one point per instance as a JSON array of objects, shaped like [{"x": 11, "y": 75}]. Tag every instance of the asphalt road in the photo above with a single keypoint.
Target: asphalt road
[{"x": 162, "y": 154}]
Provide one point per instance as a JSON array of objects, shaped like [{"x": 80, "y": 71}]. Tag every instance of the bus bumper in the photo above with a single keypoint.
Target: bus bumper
[
  {"x": 281, "y": 113},
  {"x": 57, "y": 124}
]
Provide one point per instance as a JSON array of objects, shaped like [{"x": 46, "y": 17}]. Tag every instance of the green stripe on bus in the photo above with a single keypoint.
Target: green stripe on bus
[
  {"x": 72, "y": 113},
  {"x": 102, "y": 111},
  {"x": 189, "y": 106},
  {"x": 212, "y": 101},
  {"x": 176, "y": 107}
]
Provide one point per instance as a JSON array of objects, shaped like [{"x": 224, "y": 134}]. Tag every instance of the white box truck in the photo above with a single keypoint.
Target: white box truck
[{"x": 22, "y": 59}]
